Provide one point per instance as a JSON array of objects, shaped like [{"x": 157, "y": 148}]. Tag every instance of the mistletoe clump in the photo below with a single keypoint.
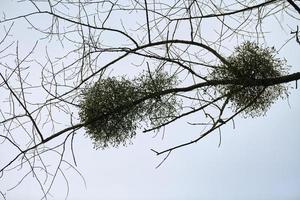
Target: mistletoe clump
[
  {"x": 160, "y": 108},
  {"x": 113, "y": 108},
  {"x": 248, "y": 63}
]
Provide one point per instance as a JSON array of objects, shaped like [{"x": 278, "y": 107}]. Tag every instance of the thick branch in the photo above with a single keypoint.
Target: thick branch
[
  {"x": 249, "y": 83},
  {"x": 294, "y": 5},
  {"x": 258, "y": 82}
]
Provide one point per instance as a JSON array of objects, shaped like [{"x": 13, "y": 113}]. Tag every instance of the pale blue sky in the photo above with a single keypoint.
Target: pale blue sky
[{"x": 258, "y": 160}]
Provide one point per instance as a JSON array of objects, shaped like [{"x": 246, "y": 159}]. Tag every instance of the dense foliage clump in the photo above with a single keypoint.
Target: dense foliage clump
[
  {"x": 248, "y": 63},
  {"x": 113, "y": 108},
  {"x": 162, "y": 107}
]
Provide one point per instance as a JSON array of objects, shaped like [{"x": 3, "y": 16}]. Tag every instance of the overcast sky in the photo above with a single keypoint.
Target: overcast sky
[{"x": 258, "y": 159}]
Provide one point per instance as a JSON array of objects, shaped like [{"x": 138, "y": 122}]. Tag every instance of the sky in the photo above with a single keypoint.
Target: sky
[{"x": 258, "y": 158}]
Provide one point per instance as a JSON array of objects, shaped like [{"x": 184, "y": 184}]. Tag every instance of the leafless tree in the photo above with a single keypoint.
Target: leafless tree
[{"x": 50, "y": 50}]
